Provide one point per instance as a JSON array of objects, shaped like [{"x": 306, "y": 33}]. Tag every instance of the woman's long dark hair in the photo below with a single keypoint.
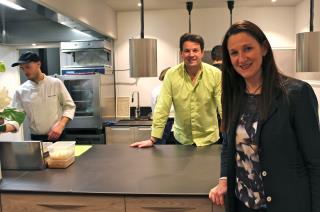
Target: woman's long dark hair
[{"x": 234, "y": 86}]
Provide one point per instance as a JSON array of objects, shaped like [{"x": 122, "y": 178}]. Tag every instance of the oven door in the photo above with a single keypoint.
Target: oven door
[{"x": 84, "y": 90}]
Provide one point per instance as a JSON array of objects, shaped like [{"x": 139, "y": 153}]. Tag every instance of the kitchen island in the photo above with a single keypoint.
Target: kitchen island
[{"x": 119, "y": 178}]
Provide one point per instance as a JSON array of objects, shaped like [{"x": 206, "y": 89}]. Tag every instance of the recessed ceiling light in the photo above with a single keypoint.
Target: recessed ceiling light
[
  {"x": 273, "y": 0},
  {"x": 34, "y": 44},
  {"x": 139, "y": 4},
  {"x": 11, "y": 5}
]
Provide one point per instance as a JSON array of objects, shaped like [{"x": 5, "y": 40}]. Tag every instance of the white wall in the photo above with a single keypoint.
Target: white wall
[
  {"x": 11, "y": 80},
  {"x": 302, "y": 16},
  {"x": 95, "y": 13},
  {"x": 168, "y": 25}
]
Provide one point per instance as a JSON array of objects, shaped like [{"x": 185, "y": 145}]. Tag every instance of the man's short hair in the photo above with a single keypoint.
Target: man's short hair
[
  {"x": 216, "y": 53},
  {"x": 163, "y": 73},
  {"x": 193, "y": 38}
]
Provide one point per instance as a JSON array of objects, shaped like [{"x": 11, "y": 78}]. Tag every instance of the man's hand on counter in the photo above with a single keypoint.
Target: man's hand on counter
[
  {"x": 216, "y": 195},
  {"x": 143, "y": 144}
]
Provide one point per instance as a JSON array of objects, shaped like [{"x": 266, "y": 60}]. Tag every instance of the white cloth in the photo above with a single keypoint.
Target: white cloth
[
  {"x": 154, "y": 96},
  {"x": 44, "y": 103}
]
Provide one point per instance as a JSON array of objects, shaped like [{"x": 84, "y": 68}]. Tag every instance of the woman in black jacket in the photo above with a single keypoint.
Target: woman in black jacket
[{"x": 270, "y": 160}]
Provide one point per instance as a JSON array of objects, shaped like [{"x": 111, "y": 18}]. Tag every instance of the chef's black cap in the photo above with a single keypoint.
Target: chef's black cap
[{"x": 26, "y": 57}]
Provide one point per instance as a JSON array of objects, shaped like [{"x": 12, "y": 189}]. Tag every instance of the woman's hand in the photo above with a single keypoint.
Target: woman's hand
[{"x": 216, "y": 195}]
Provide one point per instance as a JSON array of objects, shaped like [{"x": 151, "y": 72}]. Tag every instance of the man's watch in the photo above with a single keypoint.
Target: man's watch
[{"x": 3, "y": 127}]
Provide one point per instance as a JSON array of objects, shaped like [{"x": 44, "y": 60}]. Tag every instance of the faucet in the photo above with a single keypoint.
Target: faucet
[{"x": 137, "y": 112}]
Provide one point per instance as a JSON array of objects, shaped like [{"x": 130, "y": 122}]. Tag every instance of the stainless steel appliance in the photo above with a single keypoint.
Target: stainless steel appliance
[
  {"x": 94, "y": 96},
  {"x": 82, "y": 57},
  {"x": 21, "y": 155}
]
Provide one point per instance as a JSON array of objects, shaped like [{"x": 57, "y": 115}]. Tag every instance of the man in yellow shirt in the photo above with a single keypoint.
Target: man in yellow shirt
[{"x": 194, "y": 89}]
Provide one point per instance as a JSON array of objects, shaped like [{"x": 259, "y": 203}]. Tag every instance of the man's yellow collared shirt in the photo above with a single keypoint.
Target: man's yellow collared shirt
[{"x": 195, "y": 105}]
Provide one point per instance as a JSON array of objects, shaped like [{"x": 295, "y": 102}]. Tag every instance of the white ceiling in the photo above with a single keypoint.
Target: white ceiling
[{"x": 131, "y": 5}]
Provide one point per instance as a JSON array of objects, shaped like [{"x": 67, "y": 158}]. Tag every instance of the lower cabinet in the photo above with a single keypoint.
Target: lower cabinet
[
  {"x": 176, "y": 204},
  {"x": 119, "y": 135},
  {"x": 54, "y": 202},
  {"x": 142, "y": 133},
  {"x": 127, "y": 135}
]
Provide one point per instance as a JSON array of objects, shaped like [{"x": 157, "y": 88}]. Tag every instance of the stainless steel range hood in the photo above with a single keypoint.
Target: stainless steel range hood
[
  {"x": 143, "y": 57},
  {"x": 143, "y": 53},
  {"x": 308, "y": 47},
  {"x": 38, "y": 24},
  {"x": 308, "y": 52}
]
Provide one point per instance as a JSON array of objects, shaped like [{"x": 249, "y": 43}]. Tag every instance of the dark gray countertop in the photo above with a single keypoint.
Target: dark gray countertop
[
  {"x": 119, "y": 169},
  {"x": 128, "y": 122}
]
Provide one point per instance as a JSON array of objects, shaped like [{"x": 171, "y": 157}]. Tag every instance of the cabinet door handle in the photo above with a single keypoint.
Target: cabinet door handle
[
  {"x": 119, "y": 129},
  {"x": 171, "y": 209},
  {"x": 144, "y": 129},
  {"x": 60, "y": 206}
]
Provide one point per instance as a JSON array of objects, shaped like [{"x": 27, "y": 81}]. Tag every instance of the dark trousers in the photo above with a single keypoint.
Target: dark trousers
[
  {"x": 45, "y": 137},
  {"x": 240, "y": 207},
  {"x": 175, "y": 141},
  {"x": 167, "y": 137}
]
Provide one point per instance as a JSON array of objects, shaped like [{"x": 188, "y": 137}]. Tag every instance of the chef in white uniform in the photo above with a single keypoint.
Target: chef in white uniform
[{"x": 46, "y": 101}]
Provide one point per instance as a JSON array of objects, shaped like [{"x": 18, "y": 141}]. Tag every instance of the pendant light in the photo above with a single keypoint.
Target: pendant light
[
  {"x": 189, "y": 5},
  {"x": 308, "y": 48},
  {"x": 143, "y": 53},
  {"x": 230, "y": 7}
]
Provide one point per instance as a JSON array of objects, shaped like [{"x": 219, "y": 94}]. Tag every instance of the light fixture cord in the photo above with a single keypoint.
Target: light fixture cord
[
  {"x": 311, "y": 14},
  {"x": 142, "y": 19}
]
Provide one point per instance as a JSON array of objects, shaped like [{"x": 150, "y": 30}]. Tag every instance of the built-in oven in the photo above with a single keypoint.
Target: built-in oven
[
  {"x": 82, "y": 57},
  {"x": 94, "y": 96}
]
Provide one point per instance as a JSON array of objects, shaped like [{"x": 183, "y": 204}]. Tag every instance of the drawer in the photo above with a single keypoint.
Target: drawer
[
  {"x": 168, "y": 204},
  {"x": 54, "y": 203},
  {"x": 142, "y": 133},
  {"x": 119, "y": 135}
]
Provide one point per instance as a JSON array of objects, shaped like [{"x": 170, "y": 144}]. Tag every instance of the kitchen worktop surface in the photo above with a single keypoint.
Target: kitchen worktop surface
[
  {"x": 128, "y": 122},
  {"x": 119, "y": 169}
]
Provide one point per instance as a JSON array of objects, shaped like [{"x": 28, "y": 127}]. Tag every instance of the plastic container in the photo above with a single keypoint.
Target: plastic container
[
  {"x": 62, "y": 150},
  {"x": 61, "y": 154},
  {"x": 60, "y": 164}
]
